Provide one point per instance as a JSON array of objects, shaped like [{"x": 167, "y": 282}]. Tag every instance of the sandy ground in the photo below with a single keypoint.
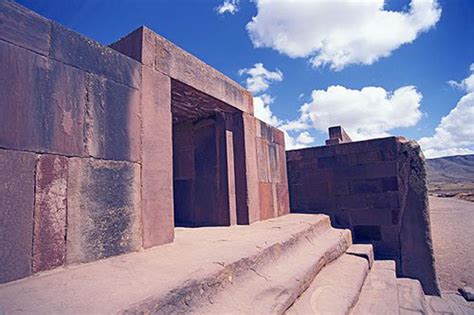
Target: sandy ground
[{"x": 452, "y": 222}]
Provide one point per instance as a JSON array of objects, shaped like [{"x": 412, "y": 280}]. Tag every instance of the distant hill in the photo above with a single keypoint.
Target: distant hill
[
  {"x": 451, "y": 176},
  {"x": 451, "y": 169}
]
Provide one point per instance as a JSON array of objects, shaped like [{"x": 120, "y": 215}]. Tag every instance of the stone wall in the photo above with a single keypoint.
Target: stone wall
[
  {"x": 272, "y": 179},
  {"x": 70, "y": 147},
  {"x": 377, "y": 188},
  {"x": 86, "y": 143}
]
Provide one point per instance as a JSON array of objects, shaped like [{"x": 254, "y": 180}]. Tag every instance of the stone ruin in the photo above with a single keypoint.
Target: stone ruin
[{"x": 105, "y": 150}]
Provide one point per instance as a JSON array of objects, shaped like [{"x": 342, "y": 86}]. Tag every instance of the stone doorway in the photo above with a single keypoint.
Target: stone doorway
[{"x": 204, "y": 176}]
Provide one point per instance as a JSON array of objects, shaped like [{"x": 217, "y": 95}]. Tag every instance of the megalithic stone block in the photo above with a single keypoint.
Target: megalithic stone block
[
  {"x": 157, "y": 159},
  {"x": 24, "y": 28},
  {"x": 103, "y": 205},
  {"x": 17, "y": 178},
  {"x": 112, "y": 120},
  {"x": 49, "y": 237},
  {"x": 42, "y": 108}
]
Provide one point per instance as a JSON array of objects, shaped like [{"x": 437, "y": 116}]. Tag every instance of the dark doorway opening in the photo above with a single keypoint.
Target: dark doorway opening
[{"x": 204, "y": 177}]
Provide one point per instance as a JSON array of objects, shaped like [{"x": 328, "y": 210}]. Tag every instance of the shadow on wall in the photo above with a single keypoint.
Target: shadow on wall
[{"x": 376, "y": 188}]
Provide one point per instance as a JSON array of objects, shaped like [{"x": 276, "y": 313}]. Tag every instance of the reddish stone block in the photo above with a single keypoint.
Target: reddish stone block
[
  {"x": 49, "y": 238},
  {"x": 351, "y": 202},
  {"x": 383, "y": 200},
  {"x": 282, "y": 199},
  {"x": 294, "y": 155},
  {"x": 266, "y": 201},
  {"x": 366, "y": 186},
  {"x": 339, "y": 133},
  {"x": 251, "y": 164},
  {"x": 274, "y": 163},
  {"x": 263, "y": 160},
  {"x": 279, "y": 137},
  {"x": 86, "y": 54},
  {"x": 48, "y": 114},
  {"x": 103, "y": 209},
  {"x": 184, "y": 67},
  {"x": 157, "y": 159},
  {"x": 368, "y": 157},
  {"x": 16, "y": 213},
  {"x": 24, "y": 28},
  {"x": 371, "y": 216},
  {"x": 112, "y": 120}
]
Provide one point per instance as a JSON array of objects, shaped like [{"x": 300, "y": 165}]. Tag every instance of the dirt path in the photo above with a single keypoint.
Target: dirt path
[{"x": 452, "y": 222}]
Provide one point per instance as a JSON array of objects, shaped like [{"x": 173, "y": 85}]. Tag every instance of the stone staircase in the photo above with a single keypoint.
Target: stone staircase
[{"x": 295, "y": 264}]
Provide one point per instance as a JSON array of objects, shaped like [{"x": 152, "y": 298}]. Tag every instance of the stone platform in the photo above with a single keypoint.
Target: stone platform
[{"x": 191, "y": 273}]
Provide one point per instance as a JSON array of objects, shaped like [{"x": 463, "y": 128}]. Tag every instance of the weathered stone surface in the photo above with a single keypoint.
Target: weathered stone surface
[
  {"x": 283, "y": 199},
  {"x": 417, "y": 260},
  {"x": 232, "y": 200},
  {"x": 467, "y": 293},
  {"x": 16, "y": 213},
  {"x": 379, "y": 293},
  {"x": 103, "y": 205},
  {"x": 263, "y": 160},
  {"x": 368, "y": 186},
  {"x": 337, "y": 135},
  {"x": 24, "y": 28},
  {"x": 266, "y": 201},
  {"x": 112, "y": 120},
  {"x": 251, "y": 163},
  {"x": 86, "y": 54},
  {"x": 49, "y": 237},
  {"x": 45, "y": 112},
  {"x": 184, "y": 67}
]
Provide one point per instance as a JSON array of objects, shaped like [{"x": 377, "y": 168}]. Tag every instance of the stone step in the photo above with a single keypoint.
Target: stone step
[
  {"x": 449, "y": 303},
  {"x": 379, "y": 294},
  {"x": 270, "y": 288},
  {"x": 191, "y": 273},
  {"x": 411, "y": 298},
  {"x": 335, "y": 289}
]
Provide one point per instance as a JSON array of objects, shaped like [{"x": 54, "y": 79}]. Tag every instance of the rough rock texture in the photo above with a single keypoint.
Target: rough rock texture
[
  {"x": 335, "y": 289},
  {"x": 112, "y": 120},
  {"x": 377, "y": 188},
  {"x": 24, "y": 28},
  {"x": 103, "y": 216},
  {"x": 416, "y": 248},
  {"x": 232, "y": 255},
  {"x": 52, "y": 96},
  {"x": 178, "y": 64},
  {"x": 157, "y": 160},
  {"x": 100, "y": 124},
  {"x": 379, "y": 295},
  {"x": 272, "y": 175},
  {"x": 17, "y": 182},
  {"x": 49, "y": 238}
]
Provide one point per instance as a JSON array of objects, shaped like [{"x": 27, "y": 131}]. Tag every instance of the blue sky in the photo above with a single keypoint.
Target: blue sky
[{"x": 376, "y": 68}]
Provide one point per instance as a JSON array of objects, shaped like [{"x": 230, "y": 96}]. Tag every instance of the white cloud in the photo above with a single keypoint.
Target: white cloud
[
  {"x": 367, "y": 113},
  {"x": 263, "y": 111},
  {"x": 467, "y": 84},
  {"x": 305, "y": 138},
  {"x": 259, "y": 78},
  {"x": 258, "y": 81},
  {"x": 228, "y": 6},
  {"x": 455, "y": 133},
  {"x": 338, "y": 33},
  {"x": 302, "y": 140}
]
